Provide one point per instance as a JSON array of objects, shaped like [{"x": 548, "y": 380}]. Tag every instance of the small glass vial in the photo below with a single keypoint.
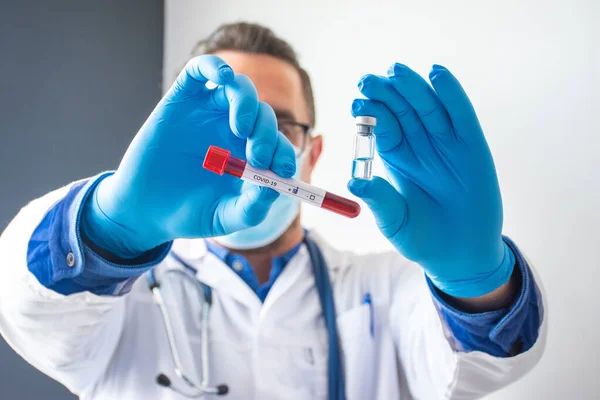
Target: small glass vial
[{"x": 364, "y": 148}]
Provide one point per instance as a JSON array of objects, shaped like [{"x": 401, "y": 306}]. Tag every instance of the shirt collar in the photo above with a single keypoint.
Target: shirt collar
[{"x": 223, "y": 254}]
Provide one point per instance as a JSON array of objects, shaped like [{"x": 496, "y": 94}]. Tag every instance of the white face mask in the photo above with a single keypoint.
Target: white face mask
[{"x": 281, "y": 215}]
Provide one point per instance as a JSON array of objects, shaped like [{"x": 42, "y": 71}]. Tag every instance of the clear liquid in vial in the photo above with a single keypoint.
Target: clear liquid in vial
[{"x": 361, "y": 168}]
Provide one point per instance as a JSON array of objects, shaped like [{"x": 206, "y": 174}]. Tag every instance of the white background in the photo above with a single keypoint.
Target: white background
[{"x": 531, "y": 69}]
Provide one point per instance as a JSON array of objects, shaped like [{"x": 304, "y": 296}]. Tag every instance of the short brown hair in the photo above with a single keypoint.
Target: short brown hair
[{"x": 254, "y": 38}]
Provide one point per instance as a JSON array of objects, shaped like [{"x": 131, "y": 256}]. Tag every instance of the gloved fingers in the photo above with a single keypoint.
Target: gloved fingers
[
  {"x": 390, "y": 138},
  {"x": 421, "y": 96},
  {"x": 263, "y": 140},
  {"x": 264, "y": 149},
  {"x": 245, "y": 210},
  {"x": 388, "y": 205},
  {"x": 380, "y": 88},
  {"x": 199, "y": 70},
  {"x": 455, "y": 99},
  {"x": 240, "y": 98},
  {"x": 284, "y": 159}
]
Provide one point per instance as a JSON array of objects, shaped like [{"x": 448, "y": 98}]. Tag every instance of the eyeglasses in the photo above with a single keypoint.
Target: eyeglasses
[{"x": 297, "y": 133}]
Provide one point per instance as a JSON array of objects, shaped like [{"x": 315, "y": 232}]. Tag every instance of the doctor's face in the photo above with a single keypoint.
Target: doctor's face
[{"x": 279, "y": 85}]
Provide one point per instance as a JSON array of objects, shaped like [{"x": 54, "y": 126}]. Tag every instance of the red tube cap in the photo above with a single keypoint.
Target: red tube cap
[{"x": 216, "y": 159}]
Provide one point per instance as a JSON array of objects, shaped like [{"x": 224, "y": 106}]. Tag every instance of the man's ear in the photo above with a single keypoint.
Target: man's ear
[
  {"x": 316, "y": 147},
  {"x": 311, "y": 157}
]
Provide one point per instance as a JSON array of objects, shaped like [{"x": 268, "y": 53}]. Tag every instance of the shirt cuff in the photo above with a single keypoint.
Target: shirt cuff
[
  {"x": 497, "y": 332},
  {"x": 60, "y": 260}
]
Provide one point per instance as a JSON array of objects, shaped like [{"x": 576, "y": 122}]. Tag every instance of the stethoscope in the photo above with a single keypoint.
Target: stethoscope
[{"x": 323, "y": 284}]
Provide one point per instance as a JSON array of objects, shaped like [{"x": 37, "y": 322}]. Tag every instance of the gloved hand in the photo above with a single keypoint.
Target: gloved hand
[
  {"x": 441, "y": 206},
  {"x": 161, "y": 191}
]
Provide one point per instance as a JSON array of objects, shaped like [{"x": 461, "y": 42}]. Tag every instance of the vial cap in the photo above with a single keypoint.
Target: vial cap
[
  {"x": 363, "y": 120},
  {"x": 216, "y": 159}
]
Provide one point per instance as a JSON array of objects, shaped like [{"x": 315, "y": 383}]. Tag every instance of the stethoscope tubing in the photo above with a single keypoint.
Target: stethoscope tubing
[
  {"x": 336, "y": 384},
  {"x": 166, "y": 317}
]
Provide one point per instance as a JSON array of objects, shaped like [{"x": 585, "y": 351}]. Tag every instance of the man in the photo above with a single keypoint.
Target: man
[{"x": 460, "y": 320}]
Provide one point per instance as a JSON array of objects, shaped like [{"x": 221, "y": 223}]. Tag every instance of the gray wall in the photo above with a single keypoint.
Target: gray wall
[{"x": 77, "y": 79}]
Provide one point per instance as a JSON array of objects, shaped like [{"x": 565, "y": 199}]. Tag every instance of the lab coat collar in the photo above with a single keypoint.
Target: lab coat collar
[
  {"x": 190, "y": 250},
  {"x": 288, "y": 277},
  {"x": 334, "y": 258},
  {"x": 215, "y": 273},
  {"x": 220, "y": 277}
]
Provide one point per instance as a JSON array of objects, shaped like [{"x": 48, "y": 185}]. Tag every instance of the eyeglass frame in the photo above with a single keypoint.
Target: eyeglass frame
[{"x": 306, "y": 134}]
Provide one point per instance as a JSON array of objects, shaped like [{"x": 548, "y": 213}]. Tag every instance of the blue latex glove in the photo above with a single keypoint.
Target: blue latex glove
[
  {"x": 161, "y": 192},
  {"x": 441, "y": 207}
]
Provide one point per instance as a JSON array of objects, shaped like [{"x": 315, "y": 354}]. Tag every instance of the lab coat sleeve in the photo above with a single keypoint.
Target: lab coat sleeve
[
  {"x": 70, "y": 338},
  {"x": 435, "y": 361}
]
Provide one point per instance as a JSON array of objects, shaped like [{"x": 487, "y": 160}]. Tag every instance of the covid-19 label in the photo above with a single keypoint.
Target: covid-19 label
[{"x": 291, "y": 187}]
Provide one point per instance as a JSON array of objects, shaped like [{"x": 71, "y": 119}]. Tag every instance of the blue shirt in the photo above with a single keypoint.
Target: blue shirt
[
  {"x": 244, "y": 270},
  {"x": 62, "y": 261}
]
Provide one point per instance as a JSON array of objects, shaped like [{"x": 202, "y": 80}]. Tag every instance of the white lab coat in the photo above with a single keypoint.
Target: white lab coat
[{"x": 108, "y": 348}]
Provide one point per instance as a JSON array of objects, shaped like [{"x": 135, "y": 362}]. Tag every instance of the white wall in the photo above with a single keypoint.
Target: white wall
[{"x": 531, "y": 68}]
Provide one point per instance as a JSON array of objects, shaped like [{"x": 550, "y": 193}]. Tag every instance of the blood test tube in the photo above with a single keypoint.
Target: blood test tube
[{"x": 221, "y": 161}]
